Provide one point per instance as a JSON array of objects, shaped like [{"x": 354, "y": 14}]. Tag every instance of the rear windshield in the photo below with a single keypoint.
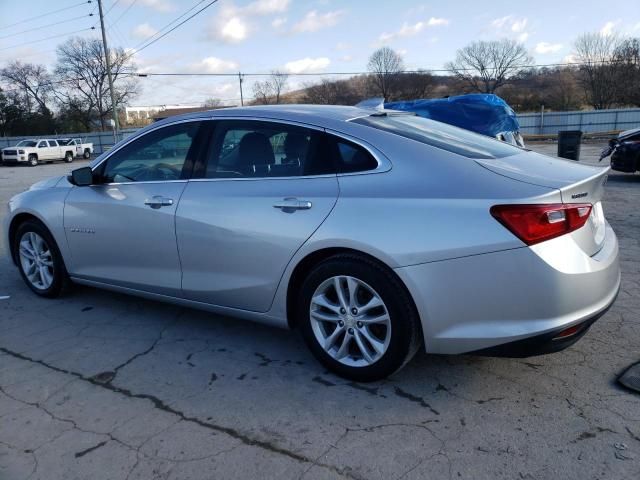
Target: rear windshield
[
  {"x": 64, "y": 141},
  {"x": 441, "y": 135}
]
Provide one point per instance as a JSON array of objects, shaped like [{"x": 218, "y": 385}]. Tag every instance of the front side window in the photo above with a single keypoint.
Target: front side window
[
  {"x": 42, "y": 144},
  {"x": 249, "y": 149},
  {"x": 164, "y": 154},
  {"x": 441, "y": 135}
]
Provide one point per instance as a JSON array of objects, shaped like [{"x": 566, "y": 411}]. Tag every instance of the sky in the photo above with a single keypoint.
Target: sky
[{"x": 296, "y": 36}]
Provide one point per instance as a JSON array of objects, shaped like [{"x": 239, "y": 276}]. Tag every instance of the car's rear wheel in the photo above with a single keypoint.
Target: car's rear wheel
[
  {"x": 357, "y": 318},
  {"x": 39, "y": 260},
  {"x": 32, "y": 160},
  {"x": 86, "y": 154}
]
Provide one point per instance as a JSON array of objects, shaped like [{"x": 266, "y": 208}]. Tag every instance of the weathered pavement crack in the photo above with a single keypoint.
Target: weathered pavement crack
[
  {"x": 161, "y": 405},
  {"x": 90, "y": 449}
]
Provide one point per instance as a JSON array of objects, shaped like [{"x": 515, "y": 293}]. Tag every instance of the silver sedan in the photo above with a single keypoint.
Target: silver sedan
[{"x": 376, "y": 233}]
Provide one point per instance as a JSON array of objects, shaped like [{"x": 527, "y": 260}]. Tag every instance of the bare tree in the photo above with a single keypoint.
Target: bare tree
[
  {"x": 414, "y": 85},
  {"x": 599, "y": 73},
  {"x": 487, "y": 66},
  {"x": 33, "y": 83},
  {"x": 627, "y": 58},
  {"x": 328, "y": 92},
  {"x": 82, "y": 68},
  {"x": 212, "y": 103},
  {"x": 385, "y": 66},
  {"x": 270, "y": 90}
]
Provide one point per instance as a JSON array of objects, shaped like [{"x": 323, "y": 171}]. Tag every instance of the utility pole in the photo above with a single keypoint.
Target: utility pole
[
  {"x": 240, "y": 81},
  {"x": 116, "y": 124}
]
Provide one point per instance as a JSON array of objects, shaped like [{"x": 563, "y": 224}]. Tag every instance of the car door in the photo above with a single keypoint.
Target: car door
[
  {"x": 265, "y": 188},
  {"x": 43, "y": 150},
  {"x": 54, "y": 150},
  {"x": 121, "y": 230}
]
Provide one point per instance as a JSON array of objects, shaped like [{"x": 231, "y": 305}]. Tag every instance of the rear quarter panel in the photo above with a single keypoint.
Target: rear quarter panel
[{"x": 431, "y": 205}]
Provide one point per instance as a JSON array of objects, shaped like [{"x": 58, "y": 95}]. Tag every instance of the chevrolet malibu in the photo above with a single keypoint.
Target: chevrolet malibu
[{"x": 375, "y": 233}]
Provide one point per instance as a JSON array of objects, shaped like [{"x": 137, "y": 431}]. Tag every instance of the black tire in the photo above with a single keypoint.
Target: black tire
[
  {"x": 86, "y": 155},
  {"x": 61, "y": 281},
  {"x": 68, "y": 157},
  {"x": 33, "y": 160},
  {"x": 406, "y": 334}
]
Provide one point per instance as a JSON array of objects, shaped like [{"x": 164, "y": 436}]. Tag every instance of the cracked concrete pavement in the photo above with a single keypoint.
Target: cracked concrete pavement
[{"x": 104, "y": 386}]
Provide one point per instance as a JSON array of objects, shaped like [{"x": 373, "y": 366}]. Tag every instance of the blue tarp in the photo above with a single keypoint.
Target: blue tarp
[{"x": 479, "y": 112}]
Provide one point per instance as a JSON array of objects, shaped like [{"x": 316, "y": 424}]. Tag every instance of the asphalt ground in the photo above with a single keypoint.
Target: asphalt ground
[{"x": 98, "y": 385}]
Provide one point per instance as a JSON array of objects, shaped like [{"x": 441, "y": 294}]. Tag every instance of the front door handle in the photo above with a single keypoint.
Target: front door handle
[
  {"x": 158, "y": 201},
  {"x": 293, "y": 204}
]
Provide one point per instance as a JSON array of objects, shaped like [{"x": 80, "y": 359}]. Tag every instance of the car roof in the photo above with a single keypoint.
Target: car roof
[
  {"x": 322, "y": 115},
  {"x": 628, "y": 133}
]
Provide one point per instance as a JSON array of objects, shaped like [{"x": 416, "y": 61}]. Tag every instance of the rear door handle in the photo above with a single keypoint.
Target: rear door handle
[
  {"x": 293, "y": 204},
  {"x": 158, "y": 201}
]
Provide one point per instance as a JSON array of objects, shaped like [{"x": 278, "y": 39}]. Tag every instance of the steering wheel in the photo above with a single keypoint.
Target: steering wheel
[{"x": 163, "y": 171}]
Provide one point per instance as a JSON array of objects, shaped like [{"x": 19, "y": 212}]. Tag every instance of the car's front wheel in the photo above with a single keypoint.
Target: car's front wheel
[
  {"x": 357, "y": 318},
  {"x": 68, "y": 157},
  {"x": 32, "y": 160},
  {"x": 39, "y": 260}
]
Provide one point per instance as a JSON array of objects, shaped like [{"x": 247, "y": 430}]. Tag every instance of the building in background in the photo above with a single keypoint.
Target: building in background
[{"x": 145, "y": 114}]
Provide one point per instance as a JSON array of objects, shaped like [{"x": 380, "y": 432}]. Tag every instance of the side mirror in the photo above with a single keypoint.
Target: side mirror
[{"x": 82, "y": 177}]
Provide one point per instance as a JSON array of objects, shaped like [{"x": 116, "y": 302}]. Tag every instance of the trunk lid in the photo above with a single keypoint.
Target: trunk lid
[{"x": 578, "y": 183}]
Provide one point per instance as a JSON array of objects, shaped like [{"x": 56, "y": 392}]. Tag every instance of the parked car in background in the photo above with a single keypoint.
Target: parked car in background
[
  {"x": 41, "y": 150},
  {"x": 82, "y": 149},
  {"x": 624, "y": 151},
  {"x": 377, "y": 234},
  {"x": 483, "y": 113}
]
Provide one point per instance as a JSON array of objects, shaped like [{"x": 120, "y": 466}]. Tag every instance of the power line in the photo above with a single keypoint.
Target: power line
[
  {"x": 44, "y": 39},
  {"x": 46, "y": 14},
  {"x": 169, "y": 24},
  {"x": 174, "y": 27},
  {"x": 111, "y": 7},
  {"x": 124, "y": 12},
  {"x": 47, "y": 25},
  {"x": 57, "y": 82},
  {"x": 319, "y": 74}
]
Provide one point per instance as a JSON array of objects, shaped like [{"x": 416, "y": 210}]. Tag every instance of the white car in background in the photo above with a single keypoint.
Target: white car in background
[
  {"x": 34, "y": 151},
  {"x": 82, "y": 149}
]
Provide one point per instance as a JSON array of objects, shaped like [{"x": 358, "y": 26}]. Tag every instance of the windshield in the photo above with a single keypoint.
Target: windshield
[
  {"x": 26, "y": 143},
  {"x": 441, "y": 135}
]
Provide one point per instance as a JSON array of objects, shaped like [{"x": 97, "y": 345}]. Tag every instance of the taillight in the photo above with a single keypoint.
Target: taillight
[{"x": 536, "y": 223}]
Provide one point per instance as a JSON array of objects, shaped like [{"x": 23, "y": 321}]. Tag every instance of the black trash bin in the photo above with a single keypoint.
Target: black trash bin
[{"x": 569, "y": 144}]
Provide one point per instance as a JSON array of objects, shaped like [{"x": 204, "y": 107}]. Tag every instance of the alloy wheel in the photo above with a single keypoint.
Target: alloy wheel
[
  {"x": 36, "y": 260},
  {"x": 350, "y": 321}
]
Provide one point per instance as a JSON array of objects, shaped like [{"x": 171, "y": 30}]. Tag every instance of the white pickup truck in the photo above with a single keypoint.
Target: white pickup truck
[
  {"x": 36, "y": 151},
  {"x": 82, "y": 149}
]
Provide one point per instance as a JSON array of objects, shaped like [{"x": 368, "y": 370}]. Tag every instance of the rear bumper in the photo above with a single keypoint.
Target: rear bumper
[
  {"x": 545, "y": 343},
  {"x": 527, "y": 295}
]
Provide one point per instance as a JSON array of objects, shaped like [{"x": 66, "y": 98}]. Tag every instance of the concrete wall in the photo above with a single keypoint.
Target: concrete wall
[
  {"x": 587, "y": 121},
  {"x": 530, "y": 123}
]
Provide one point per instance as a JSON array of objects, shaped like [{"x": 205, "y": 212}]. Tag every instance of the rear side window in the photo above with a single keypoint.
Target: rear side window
[
  {"x": 351, "y": 158},
  {"x": 255, "y": 149},
  {"x": 441, "y": 135},
  {"x": 53, "y": 143}
]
